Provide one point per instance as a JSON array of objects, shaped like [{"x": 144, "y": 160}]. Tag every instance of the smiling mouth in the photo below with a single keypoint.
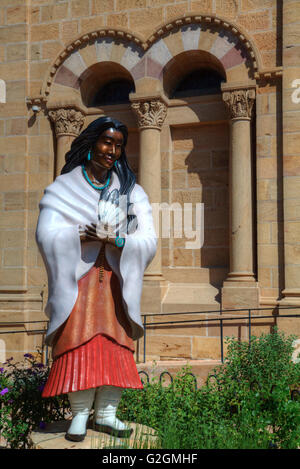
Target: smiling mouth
[{"x": 108, "y": 159}]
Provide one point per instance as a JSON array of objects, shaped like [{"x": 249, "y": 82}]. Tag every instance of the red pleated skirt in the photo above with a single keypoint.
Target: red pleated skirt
[{"x": 99, "y": 362}]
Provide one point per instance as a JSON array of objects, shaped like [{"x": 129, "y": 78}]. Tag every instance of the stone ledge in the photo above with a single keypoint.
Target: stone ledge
[{"x": 53, "y": 437}]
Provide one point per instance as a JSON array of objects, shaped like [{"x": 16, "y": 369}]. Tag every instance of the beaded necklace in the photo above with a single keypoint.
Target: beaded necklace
[
  {"x": 90, "y": 182},
  {"x": 102, "y": 250}
]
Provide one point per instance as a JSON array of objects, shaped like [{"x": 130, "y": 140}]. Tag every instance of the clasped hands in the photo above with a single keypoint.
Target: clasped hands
[
  {"x": 107, "y": 227},
  {"x": 93, "y": 232}
]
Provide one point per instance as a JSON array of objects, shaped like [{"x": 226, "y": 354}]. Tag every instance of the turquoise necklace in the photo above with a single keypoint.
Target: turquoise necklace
[{"x": 90, "y": 182}]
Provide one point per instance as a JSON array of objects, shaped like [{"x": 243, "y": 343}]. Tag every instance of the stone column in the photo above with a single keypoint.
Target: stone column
[
  {"x": 237, "y": 291},
  {"x": 68, "y": 124},
  {"x": 291, "y": 150},
  {"x": 151, "y": 114}
]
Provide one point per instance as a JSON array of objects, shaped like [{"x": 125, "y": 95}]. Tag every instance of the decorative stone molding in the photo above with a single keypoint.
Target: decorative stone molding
[
  {"x": 163, "y": 30},
  {"x": 269, "y": 75},
  {"x": 37, "y": 103},
  {"x": 239, "y": 103},
  {"x": 85, "y": 39},
  {"x": 150, "y": 113},
  {"x": 208, "y": 20},
  {"x": 67, "y": 121}
]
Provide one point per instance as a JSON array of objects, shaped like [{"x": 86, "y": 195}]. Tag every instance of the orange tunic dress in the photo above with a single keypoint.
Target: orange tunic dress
[{"x": 93, "y": 347}]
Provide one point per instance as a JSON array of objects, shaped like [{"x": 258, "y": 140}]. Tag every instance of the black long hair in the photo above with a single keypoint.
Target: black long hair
[{"x": 86, "y": 141}]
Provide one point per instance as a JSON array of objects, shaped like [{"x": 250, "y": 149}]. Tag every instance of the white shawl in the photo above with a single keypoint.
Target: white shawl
[{"x": 68, "y": 203}]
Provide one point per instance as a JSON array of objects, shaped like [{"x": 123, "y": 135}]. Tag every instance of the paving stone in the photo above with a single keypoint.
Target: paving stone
[{"x": 53, "y": 437}]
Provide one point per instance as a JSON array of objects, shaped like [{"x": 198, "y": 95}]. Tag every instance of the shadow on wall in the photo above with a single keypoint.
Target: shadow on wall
[{"x": 200, "y": 166}]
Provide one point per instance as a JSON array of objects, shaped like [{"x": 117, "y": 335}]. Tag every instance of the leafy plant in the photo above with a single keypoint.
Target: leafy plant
[
  {"x": 246, "y": 402},
  {"x": 258, "y": 378},
  {"x": 22, "y": 408}
]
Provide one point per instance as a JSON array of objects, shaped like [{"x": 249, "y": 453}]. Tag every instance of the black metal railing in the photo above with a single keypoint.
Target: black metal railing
[
  {"x": 221, "y": 320},
  {"x": 25, "y": 330}
]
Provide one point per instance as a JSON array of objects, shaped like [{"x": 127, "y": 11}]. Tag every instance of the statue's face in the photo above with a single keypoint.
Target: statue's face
[{"x": 108, "y": 148}]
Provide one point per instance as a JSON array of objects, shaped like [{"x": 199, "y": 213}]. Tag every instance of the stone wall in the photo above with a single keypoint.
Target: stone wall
[
  {"x": 199, "y": 174},
  {"x": 14, "y": 163},
  {"x": 269, "y": 190}
]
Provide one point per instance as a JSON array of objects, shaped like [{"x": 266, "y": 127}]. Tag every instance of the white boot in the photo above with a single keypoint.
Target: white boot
[
  {"x": 106, "y": 403},
  {"x": 81, "y": 404}
]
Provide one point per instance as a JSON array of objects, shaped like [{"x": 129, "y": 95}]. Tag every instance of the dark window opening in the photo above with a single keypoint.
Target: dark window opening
[
  {"x": 114, "y": 92},
  {"x": 199, "y": 82}
]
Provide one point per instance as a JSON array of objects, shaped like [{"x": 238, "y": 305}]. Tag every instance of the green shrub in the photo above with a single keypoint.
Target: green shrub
[
  {"x": 257, "y": 379},
  {"x": 246, "y": 402},
  {"x": 22, "y": 408}
]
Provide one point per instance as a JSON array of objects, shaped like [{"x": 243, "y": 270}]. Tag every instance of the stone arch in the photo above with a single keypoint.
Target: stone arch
[
  {"x": 147, "y": 58},
  {"x": 211, "y": 34},
  {"x": 76, "y": 62},
  {"x": 224, "y": 45}
]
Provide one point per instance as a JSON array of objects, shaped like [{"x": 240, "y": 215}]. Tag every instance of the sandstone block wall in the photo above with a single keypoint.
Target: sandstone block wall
[
  {"x": 198, "y": 173},
  {"x": 269, "y": 191}
]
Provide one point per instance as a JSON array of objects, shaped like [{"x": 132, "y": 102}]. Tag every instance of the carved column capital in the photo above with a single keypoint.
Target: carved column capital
[
  {"x": 67, "y": 121},
  {"x": 239, "y": 103},
  {"x": 150, "y": 113}
]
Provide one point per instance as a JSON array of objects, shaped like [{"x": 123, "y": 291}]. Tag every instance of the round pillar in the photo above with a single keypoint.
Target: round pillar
[
  {"x": 240, "y": 104},
  {"x": 237, "y": 291},
  {"x": 68, "y": 124},
  {"x": 151, "y": 114}
]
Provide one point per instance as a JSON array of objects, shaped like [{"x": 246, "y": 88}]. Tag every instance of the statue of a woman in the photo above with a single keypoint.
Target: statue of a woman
[{"x": 96, "y": 235}]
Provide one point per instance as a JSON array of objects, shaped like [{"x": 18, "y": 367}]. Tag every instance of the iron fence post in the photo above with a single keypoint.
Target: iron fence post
[
  {"x": 249, "y": 315},
  {"x": 221, "y": 339},
  {"x": 138, "y": 351},
  {"x": 145, "y": 320}
]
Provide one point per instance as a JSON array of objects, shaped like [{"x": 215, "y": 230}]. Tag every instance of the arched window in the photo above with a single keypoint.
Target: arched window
[
  {"x": 106, "y": 83},
  {"x": 113, "y": 92},
  {"x": 193, "y": 73},
  {"x": 199, "y": 82}
]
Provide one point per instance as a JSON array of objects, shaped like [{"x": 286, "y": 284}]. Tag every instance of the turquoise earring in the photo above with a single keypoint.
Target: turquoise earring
[{"x": 89, "y": 156}]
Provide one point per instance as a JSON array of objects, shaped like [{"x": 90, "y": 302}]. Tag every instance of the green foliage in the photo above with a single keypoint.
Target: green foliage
[
  {"x": 22, "y": 407},
  {"x": 246, "y": 402}
]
